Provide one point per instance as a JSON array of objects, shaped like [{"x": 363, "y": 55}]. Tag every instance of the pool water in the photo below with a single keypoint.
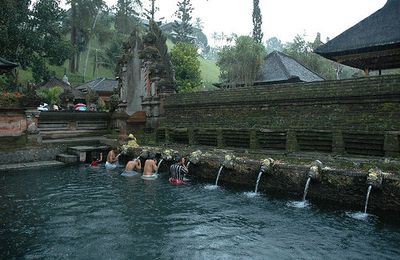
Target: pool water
[{"x": 91, "y": 214}]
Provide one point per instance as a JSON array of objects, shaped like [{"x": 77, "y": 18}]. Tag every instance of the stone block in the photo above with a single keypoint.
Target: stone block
[{"x": 67, "y": 158}]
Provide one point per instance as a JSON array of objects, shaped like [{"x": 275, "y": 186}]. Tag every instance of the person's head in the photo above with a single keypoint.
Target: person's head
[
  {"x": 94, "y": 158},
  {"x": 152, "y": 156},
  {"x": 178, "y": 159}
]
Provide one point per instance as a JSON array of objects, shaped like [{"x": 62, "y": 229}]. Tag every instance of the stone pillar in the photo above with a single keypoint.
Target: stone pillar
[
  {"x": 253, "y": 139},
  {"x": 32, "y": 123},
  {"x": 291, "y": 141},
  {"x": 220, "y": 139},
  {"x": 192, "y": 140},
  {"x": 120, "y": 118},
  {"x": 167, "y": 135},
  {"x": 391, "y": 144},
  {"x": 338, "y": 143}
]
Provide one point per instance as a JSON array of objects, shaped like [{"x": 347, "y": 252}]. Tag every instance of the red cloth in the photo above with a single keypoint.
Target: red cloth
[
  {"x": 95, "y": 163},
  {"x": 176, "y": 181}
]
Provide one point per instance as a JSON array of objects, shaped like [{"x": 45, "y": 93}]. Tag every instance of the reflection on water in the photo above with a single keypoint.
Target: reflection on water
[{"x": 89, "y": 214}]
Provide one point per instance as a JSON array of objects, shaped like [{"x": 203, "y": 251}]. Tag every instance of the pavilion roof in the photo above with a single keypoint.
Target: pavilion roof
[
  {"x": 372, "y": 43},
  {"x": 281, "y": 67},
  {"x": 7, "y": 65}
]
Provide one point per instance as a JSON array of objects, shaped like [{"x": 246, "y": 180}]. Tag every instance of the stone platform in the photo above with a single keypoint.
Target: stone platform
[{"x": 30, "y": 165}]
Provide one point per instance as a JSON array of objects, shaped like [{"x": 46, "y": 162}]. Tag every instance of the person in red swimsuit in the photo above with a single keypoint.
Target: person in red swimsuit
[{"x": 96, "y": 162}]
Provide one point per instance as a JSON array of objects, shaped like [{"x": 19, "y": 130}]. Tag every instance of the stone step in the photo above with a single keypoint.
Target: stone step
[
  {"x": 63, "y": 134},
  {"x": 83, "y": 151},
  {"x": 73, "y": 141},
  {"x": 67, "y": 158},
  {"x": 30, "y": 165}
]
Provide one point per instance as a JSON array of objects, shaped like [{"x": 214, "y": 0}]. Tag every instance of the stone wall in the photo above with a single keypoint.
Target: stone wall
[
  {"x": 55, "y": 125},
  {"x": 12, "y": 122},
  {"x": 357, "y": 116}
]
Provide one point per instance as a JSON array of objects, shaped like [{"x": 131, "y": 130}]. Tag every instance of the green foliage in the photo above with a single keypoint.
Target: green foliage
[
  {"x": 50, "y": 95},
  {"x": 209, "y": 71},
  {"x": 4, "y": 83},
  {"x": 185, "y": 60},
  {"x": 126, "y": 15},
  {"x": 274, "y": 44},
  {"x": 114, "y": 101},
  {"x": 150, "y": 12},
  {"x": 302, "y": 51},
  {"x": 241, "y": 62},
  {"x": 33, "y": 36},
  {"x": 257, "y": 22},
  {"x": 182, "y": 26}
]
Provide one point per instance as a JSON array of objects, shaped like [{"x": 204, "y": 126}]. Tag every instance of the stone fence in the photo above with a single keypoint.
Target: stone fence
[{"x": 356, "y": 117}]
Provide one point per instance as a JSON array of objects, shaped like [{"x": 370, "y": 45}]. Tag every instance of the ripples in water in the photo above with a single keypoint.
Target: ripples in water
[
  {"x": 298, "y": 204},
  {"x": 86, "y": 214}
]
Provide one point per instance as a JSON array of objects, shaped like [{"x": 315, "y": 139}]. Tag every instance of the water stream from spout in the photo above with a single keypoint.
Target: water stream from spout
[
  {"x": 258, "y": 181},
  {"x": 187, "y": 166},
  {"x": 306, "y": 188},
  {"x": 219, "y": 173},
  {"x": 367, "y": 198},
  {"x": 158, "y": 165}
]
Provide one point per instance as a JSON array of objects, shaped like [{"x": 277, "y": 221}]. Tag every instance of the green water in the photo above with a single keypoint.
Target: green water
[{"x": 80, "y": 213}]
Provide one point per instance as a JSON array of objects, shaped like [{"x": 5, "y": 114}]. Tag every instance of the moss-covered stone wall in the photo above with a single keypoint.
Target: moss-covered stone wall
[{"x": 357, "y": 116}]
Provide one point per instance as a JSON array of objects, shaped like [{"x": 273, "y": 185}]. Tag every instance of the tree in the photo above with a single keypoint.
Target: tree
[
  {"x": 50, "y": 95},
  {"x": 182, "y": 26},
  {"x": 185, "y": 60},
  {"x": 82, "y": 16},
  {"x": 241, "y": 63},
  {"x": 33, "y": 36},
  {"x": 126, "y": 15},
  {"x": 150, "y": 12},
  {"x": 274, "y": 44},
  {"x": 257, "y": 22}
]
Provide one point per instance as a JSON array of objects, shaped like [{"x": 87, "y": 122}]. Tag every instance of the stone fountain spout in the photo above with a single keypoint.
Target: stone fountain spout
[
  {"x": 267, "y": 165},
  {"x": 375, "y": 178},
  {"x": 195, "y": 157},
  {"x": 315, "y": 170}
]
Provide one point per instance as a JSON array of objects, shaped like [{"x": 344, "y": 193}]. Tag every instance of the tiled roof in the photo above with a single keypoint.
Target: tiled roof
[{"x": 103, "y": 85}]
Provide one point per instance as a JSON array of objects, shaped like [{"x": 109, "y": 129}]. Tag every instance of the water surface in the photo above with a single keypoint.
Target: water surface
[{"x": 83, "y": 213}]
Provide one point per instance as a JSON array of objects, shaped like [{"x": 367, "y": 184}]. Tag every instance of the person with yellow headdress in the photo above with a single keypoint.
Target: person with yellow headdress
[{"x": 132, "y": 141}]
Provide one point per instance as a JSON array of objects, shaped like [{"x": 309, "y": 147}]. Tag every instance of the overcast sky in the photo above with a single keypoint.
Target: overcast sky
[{"x": 281, "y": 18}]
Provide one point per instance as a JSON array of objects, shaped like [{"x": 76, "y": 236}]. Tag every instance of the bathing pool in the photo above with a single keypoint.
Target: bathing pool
[{"x": 83, "y": 213}]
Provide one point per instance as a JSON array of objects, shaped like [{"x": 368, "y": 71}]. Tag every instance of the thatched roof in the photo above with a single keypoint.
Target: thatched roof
[
  {"x": 281, "y": 67},
  {"x": 373, "y": 43}
]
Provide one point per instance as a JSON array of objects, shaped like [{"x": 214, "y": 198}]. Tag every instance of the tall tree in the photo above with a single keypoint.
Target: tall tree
[
  {"x": 257, "y": 22},
  {"x": 33, "y": 36},
  {"x": 185, "y": 60},
  {"x": 126, "y": 15},
  {"x": 241, "y": 63},
  {"x": 82, "y": 15},
  {"x": 182, "y": 26},
  {"x": 150, "y": 12}
]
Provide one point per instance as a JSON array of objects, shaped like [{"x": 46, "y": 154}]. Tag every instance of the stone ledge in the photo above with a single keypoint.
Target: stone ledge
[{"x": 30, "y": 165}]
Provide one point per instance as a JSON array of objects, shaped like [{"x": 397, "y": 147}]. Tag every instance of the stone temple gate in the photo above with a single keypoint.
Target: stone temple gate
[{"x": 145, "y": 76}]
